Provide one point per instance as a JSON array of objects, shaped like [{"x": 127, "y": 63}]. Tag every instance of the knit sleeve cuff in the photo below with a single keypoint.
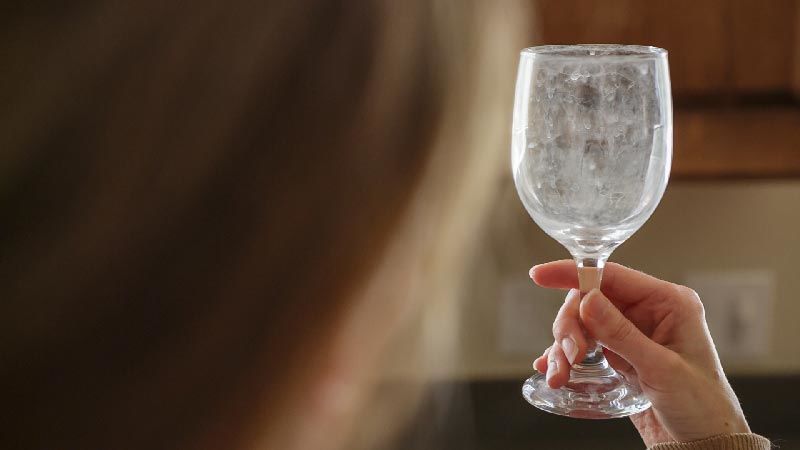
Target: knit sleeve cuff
[{"x": 739, "y": 441}]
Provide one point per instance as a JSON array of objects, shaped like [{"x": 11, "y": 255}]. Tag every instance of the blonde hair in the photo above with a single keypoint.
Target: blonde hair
[{"x": 194, "y": 196}]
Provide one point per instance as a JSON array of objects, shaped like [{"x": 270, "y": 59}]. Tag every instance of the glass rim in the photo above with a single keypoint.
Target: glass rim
[{"x": 595, "y": 51}]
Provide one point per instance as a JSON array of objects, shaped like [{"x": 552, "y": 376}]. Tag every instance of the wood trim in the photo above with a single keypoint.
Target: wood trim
[
  {"x": 796, "y": 67},
  {"x": 737, "y": 142}
]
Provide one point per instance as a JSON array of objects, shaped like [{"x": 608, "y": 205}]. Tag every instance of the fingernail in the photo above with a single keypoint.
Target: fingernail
[
  {"x": 595, "y": 304},
  {"x": 552, "y": 367},
  {"x": 570, "y": 349},
  {"x": 572, "y": 293},
  {"x": 532, "y": 271}
]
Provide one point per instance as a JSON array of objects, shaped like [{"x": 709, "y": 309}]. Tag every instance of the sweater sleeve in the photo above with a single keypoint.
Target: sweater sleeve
[{"x": 739, "y": 441}]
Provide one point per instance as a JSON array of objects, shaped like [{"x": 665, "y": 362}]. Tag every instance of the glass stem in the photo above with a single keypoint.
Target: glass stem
[{"x": 590, "y": 274}]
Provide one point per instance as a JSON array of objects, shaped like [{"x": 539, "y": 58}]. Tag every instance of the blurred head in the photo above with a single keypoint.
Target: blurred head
[{"x": 217, "y": 215}]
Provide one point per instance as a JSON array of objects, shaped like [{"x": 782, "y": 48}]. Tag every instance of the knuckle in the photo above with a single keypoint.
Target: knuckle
[
  {"x": 687, "y": 298},
  {"x": 560, "y": 327},
  {"x": 692, "y": 300},
  {"x": 689, "y": 293},
  {"x": 676, "y": 291}
]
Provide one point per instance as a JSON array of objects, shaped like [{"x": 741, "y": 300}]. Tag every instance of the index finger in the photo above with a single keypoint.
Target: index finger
[{"x": 621, "y": 283}]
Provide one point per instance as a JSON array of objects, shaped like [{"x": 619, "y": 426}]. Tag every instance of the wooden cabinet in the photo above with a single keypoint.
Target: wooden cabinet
[
  {"x": 735, "y": 67},
  {"x": 743, "y": 142}
]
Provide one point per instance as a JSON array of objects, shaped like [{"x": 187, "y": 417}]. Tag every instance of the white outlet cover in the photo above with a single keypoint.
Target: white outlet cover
[{"x": 738, "y": 305}]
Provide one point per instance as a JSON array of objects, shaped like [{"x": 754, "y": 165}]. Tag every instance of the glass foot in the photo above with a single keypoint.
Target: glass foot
[{"x": 596, "y": 393}]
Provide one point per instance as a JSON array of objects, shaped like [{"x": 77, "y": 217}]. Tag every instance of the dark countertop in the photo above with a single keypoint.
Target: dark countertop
[{"x": 478, "y": 415}]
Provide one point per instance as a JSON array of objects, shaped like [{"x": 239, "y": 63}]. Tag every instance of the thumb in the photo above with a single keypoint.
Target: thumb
[{"x": 606, "y": 323}]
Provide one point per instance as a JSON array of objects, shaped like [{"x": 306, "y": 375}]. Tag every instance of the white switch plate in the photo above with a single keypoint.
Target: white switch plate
[
  {"x": 524, "y": 322},
  {"x": 738, "y": 307}
]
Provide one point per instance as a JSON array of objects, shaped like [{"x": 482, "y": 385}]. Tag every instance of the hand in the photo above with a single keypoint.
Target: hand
[{"x": 655, "y": 333}]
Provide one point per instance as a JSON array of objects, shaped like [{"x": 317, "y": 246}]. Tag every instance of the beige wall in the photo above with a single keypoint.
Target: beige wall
[{"x": 699, "y": 226}]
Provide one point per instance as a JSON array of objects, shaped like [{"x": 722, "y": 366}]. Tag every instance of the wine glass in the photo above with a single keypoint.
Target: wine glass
[{"x": 591, "y": 155}]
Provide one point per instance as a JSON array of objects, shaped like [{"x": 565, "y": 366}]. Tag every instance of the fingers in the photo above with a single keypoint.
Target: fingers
[
  {"x": 554, "y": 365},
  {"x": 607, "y": 324},
  {"x": 622, "y": 284},
  {"x": 561, "y": 274},
  {"x": 540, "y": 363},
  {"x": 557, "y": 367},
  {"x": 567, "y": 330}
]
